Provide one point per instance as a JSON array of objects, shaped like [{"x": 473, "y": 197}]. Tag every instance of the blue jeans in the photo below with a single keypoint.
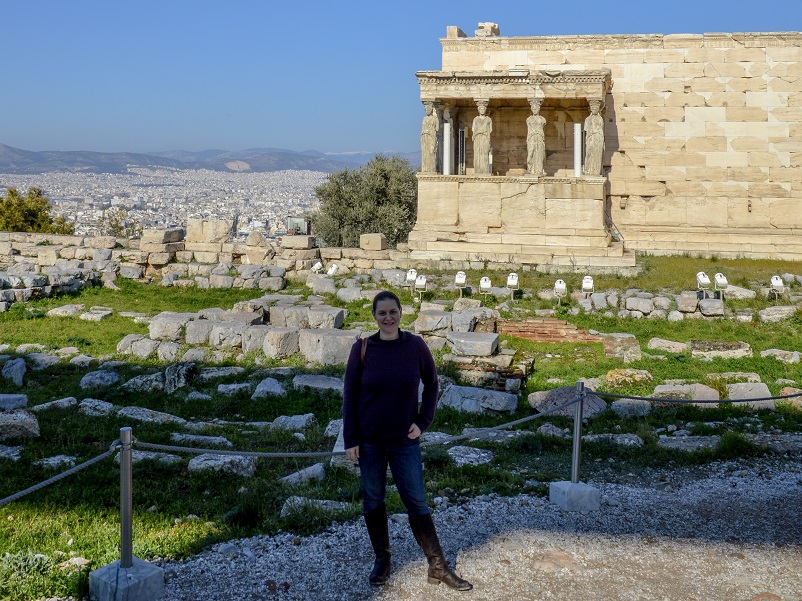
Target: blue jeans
[{"x": 406, "y": 466}]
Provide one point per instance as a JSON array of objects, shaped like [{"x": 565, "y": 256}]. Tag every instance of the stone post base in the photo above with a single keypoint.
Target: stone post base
[
  {"x": 574, "y": 497},
  {"x": 141, "y": 582}
]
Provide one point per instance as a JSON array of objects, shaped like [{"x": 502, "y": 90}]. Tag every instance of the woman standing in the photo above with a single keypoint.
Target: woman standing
[{"x": 382, "y": 425}]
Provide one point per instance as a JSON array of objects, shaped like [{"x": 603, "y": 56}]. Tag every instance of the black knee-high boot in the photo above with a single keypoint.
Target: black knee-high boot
[
  {"x": 439, "y": 570},
  {"x": 376, "y": 521}
]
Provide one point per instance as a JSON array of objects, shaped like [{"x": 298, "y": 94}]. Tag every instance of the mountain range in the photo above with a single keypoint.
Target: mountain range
[{"x": 252, "y": 160}]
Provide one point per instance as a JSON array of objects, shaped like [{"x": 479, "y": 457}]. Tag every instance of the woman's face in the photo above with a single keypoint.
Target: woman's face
[{"x": 388, "y": 317}]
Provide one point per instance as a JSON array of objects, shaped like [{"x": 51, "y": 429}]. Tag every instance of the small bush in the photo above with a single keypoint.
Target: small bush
[
  {"x": 734, "y": 445},
  {"x": 436, "y": 457}
]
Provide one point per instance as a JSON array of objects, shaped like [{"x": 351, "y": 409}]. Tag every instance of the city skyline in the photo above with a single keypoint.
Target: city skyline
[{"x": 154, "y": 77}]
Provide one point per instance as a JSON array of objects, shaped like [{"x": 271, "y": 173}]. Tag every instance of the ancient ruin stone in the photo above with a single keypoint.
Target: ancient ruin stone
[
  {"x": 545, "y": 400},
  {"x": 720, "y": 348},
  {"x": 616, "y": 378}
]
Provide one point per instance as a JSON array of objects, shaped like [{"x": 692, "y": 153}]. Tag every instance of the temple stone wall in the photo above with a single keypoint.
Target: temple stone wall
[{"x": 703, "y": 133}]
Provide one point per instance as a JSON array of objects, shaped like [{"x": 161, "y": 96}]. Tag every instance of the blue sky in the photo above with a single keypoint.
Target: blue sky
[{"x": 151, "y": 75}]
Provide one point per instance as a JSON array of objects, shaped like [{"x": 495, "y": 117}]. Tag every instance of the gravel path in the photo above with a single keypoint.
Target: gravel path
[{"x": 729, "y": 531}]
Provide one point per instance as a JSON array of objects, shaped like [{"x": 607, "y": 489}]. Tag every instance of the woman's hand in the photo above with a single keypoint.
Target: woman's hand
[
  {"x": 414, "y": 432},
  {"x": 352, "y": 453}
]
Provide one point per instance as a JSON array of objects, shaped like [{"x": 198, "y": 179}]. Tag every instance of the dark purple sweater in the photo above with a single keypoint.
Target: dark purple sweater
[{"x": 380, "y": 399}]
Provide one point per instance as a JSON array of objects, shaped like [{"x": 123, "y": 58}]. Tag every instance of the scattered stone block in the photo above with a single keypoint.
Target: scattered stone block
[
  {"x": 478, "y": 400},
  {"x": 745, "y": 391},
  {"x": 621, "y": 346},
  {"x": 687, "y": 303},
  {"x": 474, "y": 344},
  {"x": 95, "y": 407},
  {"x": 298, "y": 242},
  {"x": 631, "y": 407},
  {"x": 302, "y": 504},
  {"x": 18, "y": 423},
  {"x": 212, "y": 373},
  {"x": 142, "y": 414},
  {"x": 327, "y": 346},
  {"x": 236, "y": 465},
  {"x": 233, "y": 389},
  {"x": 616, "y": 378},
  {"x": 226, "y": 334},
  {"x": 14, "y": 370},
  {"x": 711, "y": 307},
  {"x": 775, "y": 314},
  {"x": 545, "y": 400},
  {"x": 268, "y": 387},
  {"x": 13, "y": 401},
  {"x": 622, "y": 440},
  {"x": 281, "y": 342},
  {"x": 372, "y": 242},
  {"x": 318, "y": 382},
  {"x": 101, "y": 378},
  {"x": 64, "y": 403},
  {"x": 178, "y": 375},
  {"x": 11, "y": 453},
  {"x": 780, "y": 355},
  {"x": 720, "y": 348},
  {"x": 294, "y": 422},
  {"x": 57, "y": 462},
  {"x": 40, "y": 361},
  {"x": 309, "y": 474},
  {"x": 144, "y": 347},
  {"x": 326, "y": 317},
  {"x": 145, "y": 383},
  {"x": 669, "y": 346},
  {"x": 201, "y": 441},
  {"x": 66, "y": 311},
  {"x": 433, "y": 323}
]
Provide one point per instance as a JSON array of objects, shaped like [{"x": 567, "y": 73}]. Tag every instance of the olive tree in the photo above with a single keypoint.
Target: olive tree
[
  {"x": 379, "y": 197},
  {"x": 30, "y": 213}
]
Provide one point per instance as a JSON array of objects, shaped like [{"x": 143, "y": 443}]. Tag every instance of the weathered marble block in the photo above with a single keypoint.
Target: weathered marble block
[
  {"x": 327, "y": 346},
  {"x": 475, "y": 344},
  {"x": 280, "y": 342}
]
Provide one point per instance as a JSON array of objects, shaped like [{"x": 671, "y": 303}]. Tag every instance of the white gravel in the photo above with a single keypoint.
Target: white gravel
[{"x": 728, "y": 531}]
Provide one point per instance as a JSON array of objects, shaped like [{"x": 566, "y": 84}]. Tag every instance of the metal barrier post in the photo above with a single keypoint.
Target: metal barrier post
[
  {"x": 130, "y": 578},
  {"x": 126, "y": 502},
  {"x": 580, "y": 396}
]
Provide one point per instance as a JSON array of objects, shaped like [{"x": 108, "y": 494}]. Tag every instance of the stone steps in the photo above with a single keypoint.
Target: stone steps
[{"x": 546, "y": 329}]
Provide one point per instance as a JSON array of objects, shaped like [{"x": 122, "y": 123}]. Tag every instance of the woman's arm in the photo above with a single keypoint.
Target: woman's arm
[{"x": 353, "y": 374}]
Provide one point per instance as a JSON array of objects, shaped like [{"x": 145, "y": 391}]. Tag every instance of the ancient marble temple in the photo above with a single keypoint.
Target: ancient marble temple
[{"x": 576, "y": 151}]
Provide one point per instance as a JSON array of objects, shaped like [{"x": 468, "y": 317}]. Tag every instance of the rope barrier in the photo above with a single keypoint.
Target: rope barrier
[
  {"x": 321, "y": 454},
  {"x": 658, "y": 400},
  {"x": 112, "y": 449},
  {"x": 449, "y": 440}
]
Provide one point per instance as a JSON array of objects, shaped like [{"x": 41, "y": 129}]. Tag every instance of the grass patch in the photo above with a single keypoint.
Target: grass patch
[{"x": 177, "y": 513}]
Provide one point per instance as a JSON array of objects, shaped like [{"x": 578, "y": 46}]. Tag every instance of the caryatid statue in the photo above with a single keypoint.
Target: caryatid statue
[
  {"x": 428, "y": 139},
  {"x": 535, "y": 139},
  {"x": 482, "y": 127},
  {"x": 594, "y": 139}
]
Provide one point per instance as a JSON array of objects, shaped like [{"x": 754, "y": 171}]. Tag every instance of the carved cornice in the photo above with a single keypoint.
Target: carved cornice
[
  {"x": 524, "y": 179},
  {"x": 624, "y": 41},
  {"x": 519, "y": 77}
]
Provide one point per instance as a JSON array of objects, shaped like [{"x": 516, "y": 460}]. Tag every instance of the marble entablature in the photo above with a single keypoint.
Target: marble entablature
[{"x": 701, "y": 136}]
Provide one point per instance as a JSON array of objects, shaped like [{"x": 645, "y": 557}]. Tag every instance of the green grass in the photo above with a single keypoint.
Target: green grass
[{"x": 78, "y": 516}]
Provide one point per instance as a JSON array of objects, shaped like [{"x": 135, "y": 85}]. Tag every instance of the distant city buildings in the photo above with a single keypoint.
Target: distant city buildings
[{"x": 158, "y": 198}]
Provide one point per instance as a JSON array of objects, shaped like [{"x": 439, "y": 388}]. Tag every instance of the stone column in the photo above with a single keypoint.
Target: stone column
[
  {"x": 481, "y": 129},
  {"x": 448, "y": 140},
  {"x": 535, "y": 139},
  {"x": 594, "y": 139},
  {"x": 428, "y": 139}
]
